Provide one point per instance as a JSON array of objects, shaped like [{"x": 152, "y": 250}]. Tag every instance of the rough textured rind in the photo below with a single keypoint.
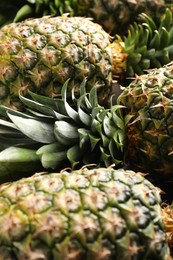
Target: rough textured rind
[
  {"x": 86, "y": 214},
  {"x": 148, "y": 100}
]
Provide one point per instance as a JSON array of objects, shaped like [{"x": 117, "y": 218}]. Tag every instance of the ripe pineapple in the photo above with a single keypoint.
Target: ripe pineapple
[
  {"x": 114, "y": 15},
  {"x": 98, "y": 213},
  {"x": 148, "y": 101},
  {"x": 41, "y": 54}
]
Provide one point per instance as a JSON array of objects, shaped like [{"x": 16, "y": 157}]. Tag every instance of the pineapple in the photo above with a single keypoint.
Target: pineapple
[
  {"x": 96, "y": 213},
  {"x": 41, "y": 54},
  {"x": 149, "y": 103},
  {"x": 114, "y": 15}
]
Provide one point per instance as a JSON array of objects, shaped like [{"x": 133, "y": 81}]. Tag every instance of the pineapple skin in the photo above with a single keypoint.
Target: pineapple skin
[
  {"x": 148, "y": 100},
  {"x": 86, "y": 214},
  {"x": 41, "y": 54}
]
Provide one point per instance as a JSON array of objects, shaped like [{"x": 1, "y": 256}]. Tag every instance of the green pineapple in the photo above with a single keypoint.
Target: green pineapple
[
  {"x": 149, "y": 103},
  {"x": 41, "y": 54},
  {"x": 93, "y": 214},
  {"x": 114, "y": 15}
]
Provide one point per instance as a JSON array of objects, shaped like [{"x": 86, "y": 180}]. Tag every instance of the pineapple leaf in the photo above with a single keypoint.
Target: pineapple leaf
[
  {"x": 47, "y": 101},
  {"x": 4, "y": 111},
  {"x": 6, "y": 142},
  {"x": 83, "y": 137},
  {"x": 18, "y": 154},
  {"x": 39, "y": 131},
  {"x": 53, "y": 159},
  {"x": 84, "y": 117},
  {"x": 109, "y": 129},
  {"x": 95, "y": 112},
  {"x": 8, "y": 126},
  {"x": 93, "y": 96},
  {"x": 17, "y": 159},
  {"x": 70, "y": 111},
  {"x": 119, "y": 138},
  {"x": 65, "y": 132},
  {"x": 74, "y": 155},
  {"x": 105, "y": 156},
  {"x": 155, "y": 42},
  {"x": 118, "y": 120},
  {"x": 24, "y": 12},
  {"x": 164, "y": 38},
  {"x": 83, "y": 87},
  {"x": 113, "y": 152},
  {"x": 170, "y": 42},
  {"x": 51, "y": 155},
  {"x": 149, "y": 20},
  {"x": 53, "y": 147},
  {"x": 144, "y": 36},
  {"x": 37, "y": 106},
  {"x": 94, "y": 141},
  {"x": 166, "y": 20}
]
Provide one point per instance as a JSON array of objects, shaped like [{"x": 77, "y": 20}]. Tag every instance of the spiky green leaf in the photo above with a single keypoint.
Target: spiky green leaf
[
  {"x": 66, "y": 133},
  {"x": 39, "y": 131}
]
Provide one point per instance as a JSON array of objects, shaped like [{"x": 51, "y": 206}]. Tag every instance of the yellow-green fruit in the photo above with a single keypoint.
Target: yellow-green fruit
[
  {"x": 86, "y": 214},
  {"x": 41, "y": 54},
  {"x": 148, "y": 101}
]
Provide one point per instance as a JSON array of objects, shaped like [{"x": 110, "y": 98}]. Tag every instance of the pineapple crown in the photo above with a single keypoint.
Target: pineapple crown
[
  {"x": 68, "y": 130},
  {"x": 147, "y": 45}
]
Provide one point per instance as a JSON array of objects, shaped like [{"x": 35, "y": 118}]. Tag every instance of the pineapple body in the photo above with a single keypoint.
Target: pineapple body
[
  {"x": 86, "y": 214},
  {"x": 148, "y": 101},
  {"x": 41, "y": 54}
]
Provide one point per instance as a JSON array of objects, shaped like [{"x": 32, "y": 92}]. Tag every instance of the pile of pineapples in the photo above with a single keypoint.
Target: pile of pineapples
[{"x": 86, "y": 130}]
